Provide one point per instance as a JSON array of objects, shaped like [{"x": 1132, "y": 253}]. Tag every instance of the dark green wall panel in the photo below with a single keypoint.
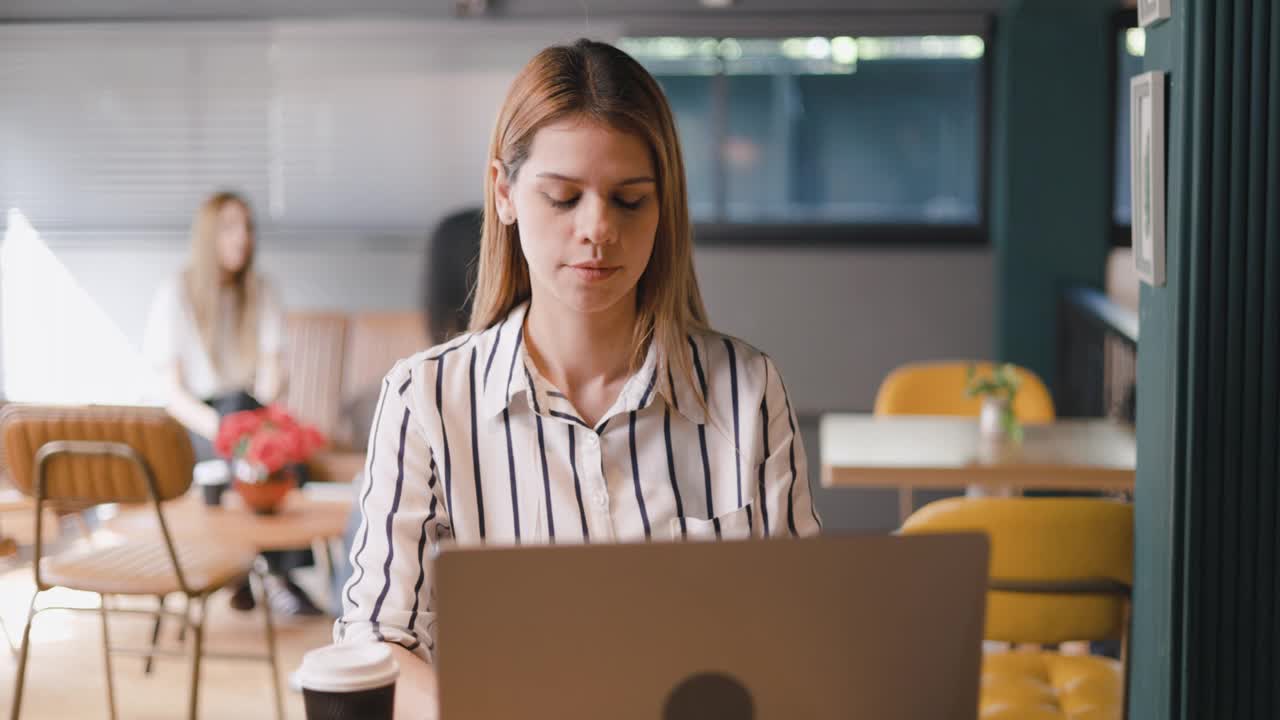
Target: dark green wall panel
[
  {"x": 1052, "y": 152},
  {"x": 1207, "y": 626}
]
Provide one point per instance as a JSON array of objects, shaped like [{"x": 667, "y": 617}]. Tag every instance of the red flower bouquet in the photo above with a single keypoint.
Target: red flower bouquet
[{"x": 262, "y": 446}]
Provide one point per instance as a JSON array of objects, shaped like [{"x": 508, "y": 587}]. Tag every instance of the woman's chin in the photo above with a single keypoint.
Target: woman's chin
[{"x": 589, "y": 301}]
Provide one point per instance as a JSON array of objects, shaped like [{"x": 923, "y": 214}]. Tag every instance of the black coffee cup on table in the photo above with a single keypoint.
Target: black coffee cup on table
[
  {"x": 349, "y": 681},
  {"x": 213, "y": 477}
]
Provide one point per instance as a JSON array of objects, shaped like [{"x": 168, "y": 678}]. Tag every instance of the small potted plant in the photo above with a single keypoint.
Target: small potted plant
[
  {"x": 997, "y": 390},
  {"x": 263, "y": 446}
]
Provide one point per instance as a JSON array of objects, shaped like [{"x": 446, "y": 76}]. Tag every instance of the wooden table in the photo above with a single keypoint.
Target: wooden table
[
  {"x": 310, "y": 518},
  {"x": 907, "y": 452}
]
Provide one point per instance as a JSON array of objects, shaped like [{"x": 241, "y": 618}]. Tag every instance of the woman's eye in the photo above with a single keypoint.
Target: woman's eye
[
  {"x": 630, "y": 204},
  {"x": 562, "y": 204}
]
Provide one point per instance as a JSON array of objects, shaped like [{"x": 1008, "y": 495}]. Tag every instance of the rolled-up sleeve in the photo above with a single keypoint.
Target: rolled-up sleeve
[
  {"x": 389, "y": 597},
  {"x": 784, "y": 468},
  {"x": 161, "y": 340}
]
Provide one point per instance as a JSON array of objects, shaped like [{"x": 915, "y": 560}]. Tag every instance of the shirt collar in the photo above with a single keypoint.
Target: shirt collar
[
  {"x": 685, "y": 396},
  {"x": 504, "y": 376},
  {"x": 507, "y": 373}
]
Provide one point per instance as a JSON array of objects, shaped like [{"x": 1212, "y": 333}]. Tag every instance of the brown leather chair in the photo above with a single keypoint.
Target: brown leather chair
[
  {"x": 80, "y": 457},
  {"x": 336, "y": 362}
]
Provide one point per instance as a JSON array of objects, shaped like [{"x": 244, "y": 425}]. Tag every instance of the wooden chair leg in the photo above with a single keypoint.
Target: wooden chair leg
[
  {"x": 324, "y": 546},
  {"x": 197, "y": 653},
  {"x": 1074, "y": 648},
  {"x": 186, "y": 612},
  {"x": 257, "y": 578},
  {"x": 155, "y": 635}
]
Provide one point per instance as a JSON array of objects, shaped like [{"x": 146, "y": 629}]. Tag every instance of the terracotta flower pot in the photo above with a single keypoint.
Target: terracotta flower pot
[{"x": 265, "y": 498}]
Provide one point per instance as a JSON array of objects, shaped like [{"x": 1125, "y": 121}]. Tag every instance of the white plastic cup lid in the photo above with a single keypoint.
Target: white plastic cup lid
[
  {"x": 211, "y": 472},
  {"x": 350, "y": 667}
]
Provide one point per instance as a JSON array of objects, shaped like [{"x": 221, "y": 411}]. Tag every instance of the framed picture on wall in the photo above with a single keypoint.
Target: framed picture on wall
[
  {"x": 1146, "y": 162},
  {"x": 1150, "y": 11}
]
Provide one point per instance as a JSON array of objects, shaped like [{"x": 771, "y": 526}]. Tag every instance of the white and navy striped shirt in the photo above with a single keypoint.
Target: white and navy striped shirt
[{"x": 470, "y": 443}]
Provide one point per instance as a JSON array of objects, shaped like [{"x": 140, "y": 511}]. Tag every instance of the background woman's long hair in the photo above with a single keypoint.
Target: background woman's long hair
[
  {"x": 600, "y": 83},
  {"x": 203, "y": 283}
]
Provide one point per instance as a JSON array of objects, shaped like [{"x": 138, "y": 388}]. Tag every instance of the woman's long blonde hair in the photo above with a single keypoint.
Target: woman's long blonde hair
[
  {"x": 202, "y": 280},
  {"x": 600, "y": 83}
]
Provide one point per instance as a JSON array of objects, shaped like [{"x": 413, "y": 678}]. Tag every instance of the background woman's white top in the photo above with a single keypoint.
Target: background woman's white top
[
  {"x": 172, "y": 336},
  {"x": 470, "y": 444}
]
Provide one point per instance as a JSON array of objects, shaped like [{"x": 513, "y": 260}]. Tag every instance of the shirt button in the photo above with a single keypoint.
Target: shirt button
[
  {"x": 601, "y": 499},
  {"x": 593, "y": 440}
]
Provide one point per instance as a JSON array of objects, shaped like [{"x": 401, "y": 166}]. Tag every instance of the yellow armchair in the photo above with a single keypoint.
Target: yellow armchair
[
  {"x": 1061, "y": 570},
  {"x": 937, "y": 388}
]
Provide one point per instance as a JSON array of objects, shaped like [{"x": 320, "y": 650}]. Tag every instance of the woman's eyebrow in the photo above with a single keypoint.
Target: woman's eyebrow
[{"x": 565, "y": 178}]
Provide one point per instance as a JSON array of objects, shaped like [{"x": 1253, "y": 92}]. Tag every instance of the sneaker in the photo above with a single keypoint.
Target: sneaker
[
  {"x": 242, "y": 598},
  {"x": 287, "y": 598}
]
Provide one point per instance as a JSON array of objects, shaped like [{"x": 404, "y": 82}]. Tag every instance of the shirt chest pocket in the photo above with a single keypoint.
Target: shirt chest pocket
[{"x": 733, "y": 525}]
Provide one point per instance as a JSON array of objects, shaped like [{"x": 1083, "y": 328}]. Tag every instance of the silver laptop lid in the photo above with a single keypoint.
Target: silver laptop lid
[{"x": 881, "y": 627}]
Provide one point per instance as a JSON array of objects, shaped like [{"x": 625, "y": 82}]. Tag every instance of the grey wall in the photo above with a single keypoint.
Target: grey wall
[{"x": 836, "y": 321}]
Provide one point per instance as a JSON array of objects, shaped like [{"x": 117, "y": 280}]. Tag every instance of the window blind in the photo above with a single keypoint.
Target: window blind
[{"x": 364, "y": 127}]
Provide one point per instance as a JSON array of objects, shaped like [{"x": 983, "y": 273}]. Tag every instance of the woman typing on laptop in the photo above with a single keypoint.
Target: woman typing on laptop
[{"x": 590, "y": 401}]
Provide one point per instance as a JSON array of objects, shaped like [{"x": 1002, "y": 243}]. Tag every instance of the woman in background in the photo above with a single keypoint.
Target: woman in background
[{"x": 215, "y": 334}]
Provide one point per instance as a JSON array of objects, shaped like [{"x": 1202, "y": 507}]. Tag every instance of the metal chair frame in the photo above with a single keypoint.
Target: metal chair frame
[{"x": 192, "y": 620}]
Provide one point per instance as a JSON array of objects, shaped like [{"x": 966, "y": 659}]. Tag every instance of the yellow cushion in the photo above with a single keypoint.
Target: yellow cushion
[{"x": 1032, "y": 686}]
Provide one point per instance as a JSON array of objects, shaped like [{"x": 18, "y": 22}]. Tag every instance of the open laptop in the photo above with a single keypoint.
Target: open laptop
[{"x": 876, "y": 627}]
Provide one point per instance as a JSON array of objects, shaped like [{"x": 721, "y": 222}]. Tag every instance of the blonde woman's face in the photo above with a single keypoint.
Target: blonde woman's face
[
  {"x": 586, "y": 205},
  {"x": 234, "y": 241}
]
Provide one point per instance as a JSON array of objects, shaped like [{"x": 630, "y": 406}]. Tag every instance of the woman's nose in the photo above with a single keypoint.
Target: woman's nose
[{"x": 595, "y": 224}]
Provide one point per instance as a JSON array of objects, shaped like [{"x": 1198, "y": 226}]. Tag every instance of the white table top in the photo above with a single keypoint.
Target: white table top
[{"x": 924, "y": 451}]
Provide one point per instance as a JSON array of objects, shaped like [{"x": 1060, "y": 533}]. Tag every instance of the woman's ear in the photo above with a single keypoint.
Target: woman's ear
[{"x": 502, "y": 193}]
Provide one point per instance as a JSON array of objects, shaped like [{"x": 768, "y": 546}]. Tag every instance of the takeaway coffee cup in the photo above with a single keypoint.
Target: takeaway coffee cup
[
  {"x": 349, "y": 681},
  {"x": 213, "y": 477}
]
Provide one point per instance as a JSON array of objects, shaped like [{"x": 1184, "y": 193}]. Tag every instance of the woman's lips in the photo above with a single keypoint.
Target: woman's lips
[{"x": 593, "y": 273}]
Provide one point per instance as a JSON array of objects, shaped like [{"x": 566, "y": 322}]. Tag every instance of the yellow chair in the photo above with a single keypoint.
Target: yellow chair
[
  {"x": 76, "y": 458},
  {"x": 1061, "y": 571},
  {"x": 937, "y": 388}
]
